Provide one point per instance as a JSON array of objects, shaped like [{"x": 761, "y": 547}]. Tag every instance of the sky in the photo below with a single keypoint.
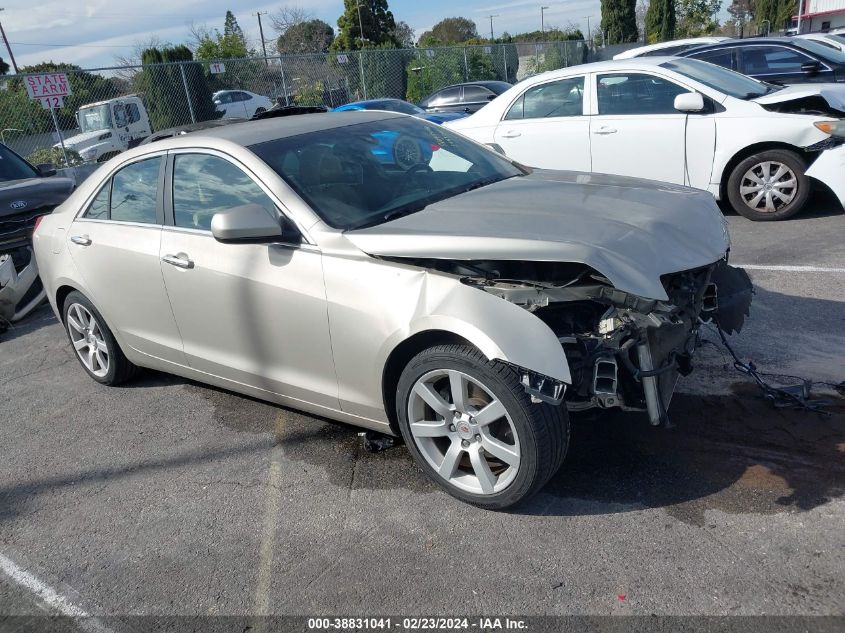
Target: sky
[{"x": 93, "y": 33}]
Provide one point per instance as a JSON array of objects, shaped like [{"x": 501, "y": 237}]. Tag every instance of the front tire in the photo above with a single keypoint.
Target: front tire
[
  {"x": 94, "y": 344},
  {"x": 473, "y": 430},
  {"x": 771, "y": 185}
]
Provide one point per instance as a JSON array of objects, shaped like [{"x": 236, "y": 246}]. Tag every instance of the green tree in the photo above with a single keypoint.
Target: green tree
[
  {"x": 375, "y": 18},
  {"x": 164, "y": 88},
  {"x": 310, "y": 95},
  {"x": 450, "y": 31},
  {"x": 229, "y": 44},
  {"x": 696, "y": 17},
  {"x": 403, "y": 35},
  {"x": 660, "y": 20},
  {"x": 777, "y": 12},
  {"x": 311, "y": 36},
  {"x": 619, "y": 21}
]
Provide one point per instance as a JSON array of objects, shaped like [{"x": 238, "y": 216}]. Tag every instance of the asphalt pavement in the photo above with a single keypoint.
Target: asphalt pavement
[{"x": 166, "y": 497}]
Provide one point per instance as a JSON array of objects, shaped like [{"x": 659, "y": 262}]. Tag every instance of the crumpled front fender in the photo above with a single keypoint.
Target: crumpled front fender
[{"x": 829, "y": 168}]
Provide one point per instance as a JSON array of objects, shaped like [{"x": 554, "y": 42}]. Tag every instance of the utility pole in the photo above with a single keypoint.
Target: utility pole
[
  {"x": 542, "y": 22},
  {"x": 9, "y": 48},
  {"x": 797, "y": 30},
  {"x": 261, "y": 33},
  {"x": 360, "y": 22},
  {"x": 588, "y": 34},
  {"x": 491, "y": 25}
]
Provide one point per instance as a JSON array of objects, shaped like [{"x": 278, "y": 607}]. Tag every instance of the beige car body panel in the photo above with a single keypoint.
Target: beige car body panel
[{"x": 326, "y": 354}]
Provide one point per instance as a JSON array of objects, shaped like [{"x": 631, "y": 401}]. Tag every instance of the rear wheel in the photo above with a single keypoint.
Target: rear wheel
[
  {"x": 94, "y": 344},
  {"x": 770, "y": 185},
  {"x": 471, "y": 427}
]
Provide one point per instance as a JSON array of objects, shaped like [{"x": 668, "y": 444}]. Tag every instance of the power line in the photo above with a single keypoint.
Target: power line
[{"x": 74, "y": 45}]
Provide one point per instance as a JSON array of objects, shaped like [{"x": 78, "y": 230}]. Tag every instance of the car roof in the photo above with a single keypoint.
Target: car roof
[
  {"x": 483, "y": 82},
  {"x": 252, "y": 132},
  {"x": 748, "y": 41}
]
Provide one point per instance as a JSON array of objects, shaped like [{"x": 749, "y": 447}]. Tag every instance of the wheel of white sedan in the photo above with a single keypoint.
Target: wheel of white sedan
[
  {"x": 471, "y": 427},
  {"x": 770, "y": 185},
  {"x": 94, "y": 343}
]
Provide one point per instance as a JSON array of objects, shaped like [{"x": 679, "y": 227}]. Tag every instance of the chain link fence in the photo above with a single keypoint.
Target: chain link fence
[{"x": 101, "y": 118}]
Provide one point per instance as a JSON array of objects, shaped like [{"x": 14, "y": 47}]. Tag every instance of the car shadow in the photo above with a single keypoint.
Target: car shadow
[{"x": 41, "y": 317}]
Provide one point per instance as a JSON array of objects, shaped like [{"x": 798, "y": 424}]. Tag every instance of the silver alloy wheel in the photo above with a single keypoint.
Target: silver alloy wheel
[
  {"x": 768, "y": 186},
  {"x": 463, "y": 432},
  {"x": 88, "y": 340}
]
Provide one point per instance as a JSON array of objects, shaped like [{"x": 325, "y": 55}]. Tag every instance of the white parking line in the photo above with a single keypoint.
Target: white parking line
[
  {"x": 791, "y": 269},
  {"x": 50, "y": 597}
]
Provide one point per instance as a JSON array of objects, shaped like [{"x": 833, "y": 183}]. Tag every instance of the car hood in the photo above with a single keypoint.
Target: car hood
[
  {"x": 632, "y": 231},
  {"x": 85, "y": 139},
  {"x": 834, "y": 94}
]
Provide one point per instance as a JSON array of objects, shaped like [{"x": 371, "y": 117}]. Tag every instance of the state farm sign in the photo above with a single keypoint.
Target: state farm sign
[{"x": 49, "y": 89}]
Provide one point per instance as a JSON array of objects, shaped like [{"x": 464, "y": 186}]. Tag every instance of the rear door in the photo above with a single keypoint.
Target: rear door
[
  {"x": 115, "y": 245},
  {"x": 447, "y": 100},
  {"x": 476, "y": 97},
  {"x": 546, "y": 126}
]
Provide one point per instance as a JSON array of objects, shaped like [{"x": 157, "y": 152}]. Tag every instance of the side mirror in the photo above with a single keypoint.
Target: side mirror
[
  {"x": 46, "y": 169},
  {"x": 689, "y": 102},
  {"x": 247, "y": 223},
  {"x": 810, "y": 68},
  {"x": 218, "y": 102}
]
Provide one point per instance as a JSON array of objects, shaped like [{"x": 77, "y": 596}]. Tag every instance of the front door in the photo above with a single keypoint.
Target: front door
[
  {"x": 254, "y": 314},
  {"x": 115, "y": 245},
  {"x": 637, "y": 131},
  {"x": 545, "y": 127},
  {"x": 783, "y": 65}
]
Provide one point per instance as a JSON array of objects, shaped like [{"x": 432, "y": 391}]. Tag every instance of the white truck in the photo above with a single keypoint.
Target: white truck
[{"x": 108, "y": 128}]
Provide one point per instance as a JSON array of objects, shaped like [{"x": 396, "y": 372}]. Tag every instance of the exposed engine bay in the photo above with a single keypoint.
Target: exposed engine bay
[{"x": 623, "y": 350}]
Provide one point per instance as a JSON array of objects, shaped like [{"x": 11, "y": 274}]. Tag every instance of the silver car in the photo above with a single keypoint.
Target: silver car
[{"x": 380, "y": 270}]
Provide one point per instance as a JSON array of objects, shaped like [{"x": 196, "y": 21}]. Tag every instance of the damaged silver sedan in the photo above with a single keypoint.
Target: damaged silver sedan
[{"x": 385, "y": 272}]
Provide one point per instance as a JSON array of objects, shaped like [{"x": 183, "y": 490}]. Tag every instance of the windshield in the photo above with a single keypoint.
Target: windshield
[
  {"x": 825, "y": 52},
  {"x": 365, "y": 174},
  {"x": 13, "y": 167},
  {"x": 721, "y": 79},
  {"x": 96, "y": 118}
]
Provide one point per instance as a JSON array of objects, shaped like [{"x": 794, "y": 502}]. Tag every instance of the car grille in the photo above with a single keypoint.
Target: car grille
[{"x": 16, "y": 230}]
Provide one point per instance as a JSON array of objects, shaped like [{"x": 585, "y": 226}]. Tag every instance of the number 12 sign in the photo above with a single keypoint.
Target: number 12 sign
[{"x": 49, "y": 89}]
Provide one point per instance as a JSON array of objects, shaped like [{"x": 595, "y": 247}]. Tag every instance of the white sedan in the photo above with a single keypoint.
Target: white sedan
[
  {"x": 240, "y": 104},
  {"x": 672, "y": 47},
  {"x": 832, "y": 40},
  {"x": 761, "y": 147}
]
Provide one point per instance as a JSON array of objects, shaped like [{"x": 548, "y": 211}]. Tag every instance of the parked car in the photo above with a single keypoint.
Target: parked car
[
  {"x": 240, "y": 104},
  {"x": 403, "y": 107},
  {"x": 672, "y": 47},
  {"x": 280, "y": 260},
  {"x": 27, "y": 193},
  {"x": 759, "y": 146},
  {"x": 468, "y": 98},
  {"x": 780, "y": 60},
  {"x": 827, "y": 39},
  {"x": 108, "y": 128}
]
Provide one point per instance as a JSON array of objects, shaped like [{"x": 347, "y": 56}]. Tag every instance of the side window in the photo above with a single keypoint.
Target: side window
[
  {"x": 204, "y": 185},
  {"x": 133, "y": 112},
  {"x": 446, "y": 97},
  {"x": 99, "y": 207},
  {"x": 133, "y": 194},
  {"x": 226, "y": 97},
  {"x": 553, "y": 99},
  {"x": 120, "y": 116},
  {"x": 761, "y": 60},
  {"x": 637, "y": 94},
  {"x": 476, "y": 93},
  {"x": 240, "y": 96},
  {"x": 723, "y": 58}
]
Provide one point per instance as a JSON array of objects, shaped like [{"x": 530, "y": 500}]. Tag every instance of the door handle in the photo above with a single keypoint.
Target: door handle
[
  {"x": 82, "y": 240},
  {"x": 603, "y": 130},
  {"x": 511, "y": 134},
  {"x": 180, "y": 261}
]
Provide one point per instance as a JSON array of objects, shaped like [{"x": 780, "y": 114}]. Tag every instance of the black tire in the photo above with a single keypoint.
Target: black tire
[
  {"x": 791, "y": 160},
  {"x": 542, "y": 429},
  {"x": 259, "y": 111},
  {"x": 119, "y": 368}
]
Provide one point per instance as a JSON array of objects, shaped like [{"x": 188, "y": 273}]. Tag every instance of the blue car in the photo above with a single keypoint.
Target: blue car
[
  {"x": 403, "y": 107},
  {"x": 394, "y": 150}
]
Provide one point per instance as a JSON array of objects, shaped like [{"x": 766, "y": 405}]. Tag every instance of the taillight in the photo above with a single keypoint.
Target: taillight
[{"x": 37, "y": 222}]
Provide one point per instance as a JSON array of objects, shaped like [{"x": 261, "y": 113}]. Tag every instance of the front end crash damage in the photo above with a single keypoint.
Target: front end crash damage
[{"x": 624, "y": 351}]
